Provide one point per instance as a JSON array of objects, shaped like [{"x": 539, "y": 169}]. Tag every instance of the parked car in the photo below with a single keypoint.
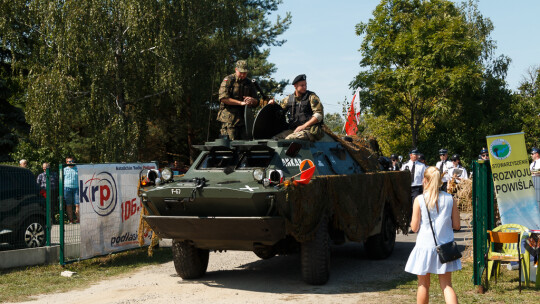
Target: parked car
[{"x": 22, "y": 209}]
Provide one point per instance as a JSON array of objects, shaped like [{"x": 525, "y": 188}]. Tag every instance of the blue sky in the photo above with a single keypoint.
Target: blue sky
[{"x": 321, "y": 42}]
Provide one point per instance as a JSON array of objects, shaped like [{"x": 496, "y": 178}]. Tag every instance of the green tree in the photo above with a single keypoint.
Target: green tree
[
  {"x": 334, "y": 122},
  {"x": 130, "y": 80},
  {"x": 419, "y": 58},
  {"x": 528, "y": 106}
]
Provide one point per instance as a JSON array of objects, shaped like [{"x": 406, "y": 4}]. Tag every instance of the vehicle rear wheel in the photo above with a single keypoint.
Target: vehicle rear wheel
[
  {"x": 380, "y": 246},
  {"x": 315, "y": 256},
  {"x": 31, "y": 233},
  {"x": 190, "y": 262},
  {"x": 265, "y": 252}
]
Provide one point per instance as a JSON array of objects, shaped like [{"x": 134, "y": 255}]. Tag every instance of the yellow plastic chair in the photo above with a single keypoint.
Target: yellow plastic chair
[{"x": 510, "y": 251}]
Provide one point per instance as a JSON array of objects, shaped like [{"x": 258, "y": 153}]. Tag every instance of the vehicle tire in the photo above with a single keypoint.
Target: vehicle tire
[
  {"x": 190, "y": 262},
  {"x": 265, "y": 252},
  {"x": 32, "y": 233},
  {"x": 315, "y": 256},
  {"x": 380, "y": 246}
]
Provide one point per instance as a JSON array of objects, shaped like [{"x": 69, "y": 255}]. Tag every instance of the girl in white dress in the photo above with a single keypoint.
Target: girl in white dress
[{"x": 445, "y": 217}]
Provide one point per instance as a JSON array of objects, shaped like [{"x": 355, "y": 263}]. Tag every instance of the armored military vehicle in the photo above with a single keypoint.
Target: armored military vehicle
[{"x": 276, "y": 197}]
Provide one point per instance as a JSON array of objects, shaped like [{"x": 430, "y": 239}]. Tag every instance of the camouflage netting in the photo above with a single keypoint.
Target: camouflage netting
[
  {"x": 364, "y": 151},
  {"x": 356, "y": 201}
]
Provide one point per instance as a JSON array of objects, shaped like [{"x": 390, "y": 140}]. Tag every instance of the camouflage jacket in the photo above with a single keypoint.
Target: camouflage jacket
[{"x": 231, "y": 87}]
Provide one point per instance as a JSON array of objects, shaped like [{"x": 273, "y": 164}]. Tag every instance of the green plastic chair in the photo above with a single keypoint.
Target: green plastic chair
[{"x": 509, "y": 249}]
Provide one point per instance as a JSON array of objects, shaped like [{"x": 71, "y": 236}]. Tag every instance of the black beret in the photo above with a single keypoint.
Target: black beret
[{"x": 299, "y": 78}]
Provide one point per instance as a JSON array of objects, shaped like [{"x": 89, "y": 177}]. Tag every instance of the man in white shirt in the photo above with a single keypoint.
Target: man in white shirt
[
  {"x": 417, "y": 173},
  {"x": 535, "y": 164},
  {"x": 458, "y": 172},
  {"x": 444, "y": 165}
]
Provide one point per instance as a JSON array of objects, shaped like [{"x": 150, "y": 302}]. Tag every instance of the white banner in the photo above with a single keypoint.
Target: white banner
[{"x": 109, "y": 207}]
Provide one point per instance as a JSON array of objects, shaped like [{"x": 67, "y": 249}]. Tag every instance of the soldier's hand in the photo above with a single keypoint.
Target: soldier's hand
[
  {"x": 249, "y": 100},
  {"x": 299, "y": 128}
]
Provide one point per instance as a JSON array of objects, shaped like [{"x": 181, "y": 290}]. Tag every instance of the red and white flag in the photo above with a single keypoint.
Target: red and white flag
[{"x": 353, "y": 116}]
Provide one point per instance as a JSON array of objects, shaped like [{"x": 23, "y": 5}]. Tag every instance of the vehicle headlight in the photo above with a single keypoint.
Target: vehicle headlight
[
  {"x": 166, "y": 174},
  {"x": 258, "y": 174}
]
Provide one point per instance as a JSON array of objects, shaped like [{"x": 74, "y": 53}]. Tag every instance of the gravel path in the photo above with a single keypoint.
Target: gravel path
[{"x": 241, "y": 277}]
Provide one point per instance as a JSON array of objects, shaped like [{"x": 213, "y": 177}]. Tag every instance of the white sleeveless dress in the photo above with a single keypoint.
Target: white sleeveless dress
[{"x": 424, "y": 258}]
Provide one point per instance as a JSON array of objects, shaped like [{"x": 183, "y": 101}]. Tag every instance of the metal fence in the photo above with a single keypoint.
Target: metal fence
[
  {"x": 31, "y": 214},
  {"x": 23, "y": 210}
]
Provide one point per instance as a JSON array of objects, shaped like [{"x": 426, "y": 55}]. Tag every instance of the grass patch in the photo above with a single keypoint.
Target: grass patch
[
  {"x": 504, "y": 291},
  {"x": 19, "y": 284}
]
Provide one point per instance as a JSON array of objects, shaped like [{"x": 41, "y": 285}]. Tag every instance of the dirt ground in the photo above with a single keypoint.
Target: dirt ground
[{"x": 241, "y": 277}]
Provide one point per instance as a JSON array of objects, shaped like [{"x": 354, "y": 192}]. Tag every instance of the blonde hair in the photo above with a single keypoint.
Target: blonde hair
[{"x": 432, "y": 184}]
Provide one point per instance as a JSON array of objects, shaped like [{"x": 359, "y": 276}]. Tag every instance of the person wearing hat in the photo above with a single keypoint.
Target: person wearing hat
[
  {"x": 417, "y": 173},
  {"x": 484, "y": 154},
  {"x": 444, "y": 165},
  {"x": 458, "y": 172},
  {"x": 304, "y": 112},
  {"x": 394, "y": 165},
  {"x": 422, "y": 158},
  {"x": 236, "y": 92},
  {"x": 535, "y": 164}
]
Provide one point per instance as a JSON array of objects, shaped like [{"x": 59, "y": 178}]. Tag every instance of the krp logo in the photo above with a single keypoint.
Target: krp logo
[
  {"x": 100, "y": 191},
  {"x": 500, "y": 149}
]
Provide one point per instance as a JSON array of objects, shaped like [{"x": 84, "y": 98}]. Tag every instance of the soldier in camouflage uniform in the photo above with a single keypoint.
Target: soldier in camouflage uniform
[
  {"x": 304, "y": 112},
  {"x": 236, "y": 91}
]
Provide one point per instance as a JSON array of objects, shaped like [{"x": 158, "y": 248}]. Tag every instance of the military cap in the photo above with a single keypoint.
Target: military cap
[
  {"x": 484, "y": 150},
  {"x": 535, "y": 150},
  {"x": 393, "y": 156},
  {"x": 414, "y": 151},
  {"x": 421, "y": 156},
  {"x": 242, "y": 66},
  {"x": 455, "y": 157},
  {"x": 443, "y": 151},
  {"x": 299, "y": 78}
]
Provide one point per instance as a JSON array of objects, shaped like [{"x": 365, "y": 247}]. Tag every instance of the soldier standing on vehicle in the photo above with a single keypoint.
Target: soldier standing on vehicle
[
  {"x": 444, "y": 165},
  {"x": 236, "y": 91},
  {"x": 304, "y": 111}
]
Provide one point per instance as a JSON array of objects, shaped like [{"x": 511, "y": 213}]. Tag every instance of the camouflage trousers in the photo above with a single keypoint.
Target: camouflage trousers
[
  {"x": 290, "y": 134},
  {"x": 234, "y": 132}
]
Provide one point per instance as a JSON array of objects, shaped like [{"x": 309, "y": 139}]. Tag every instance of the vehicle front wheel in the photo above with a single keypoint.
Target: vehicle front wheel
[
  {"x": 31, "y": 233},
  {"x": 190, "y": 262},
  {"x": 315, "y": 256},
  {"x": 381, "y": 246}
]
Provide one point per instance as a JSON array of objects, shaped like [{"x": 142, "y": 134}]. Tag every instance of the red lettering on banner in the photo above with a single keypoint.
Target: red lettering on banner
[{"x": 103, "y": 196}]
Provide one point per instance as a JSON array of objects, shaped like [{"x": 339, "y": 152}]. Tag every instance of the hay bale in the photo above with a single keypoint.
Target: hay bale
[{"x": 464, "y": 195}]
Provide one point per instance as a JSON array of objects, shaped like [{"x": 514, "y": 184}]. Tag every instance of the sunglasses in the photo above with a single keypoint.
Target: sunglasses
[{"x": 484, "y": 155}]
